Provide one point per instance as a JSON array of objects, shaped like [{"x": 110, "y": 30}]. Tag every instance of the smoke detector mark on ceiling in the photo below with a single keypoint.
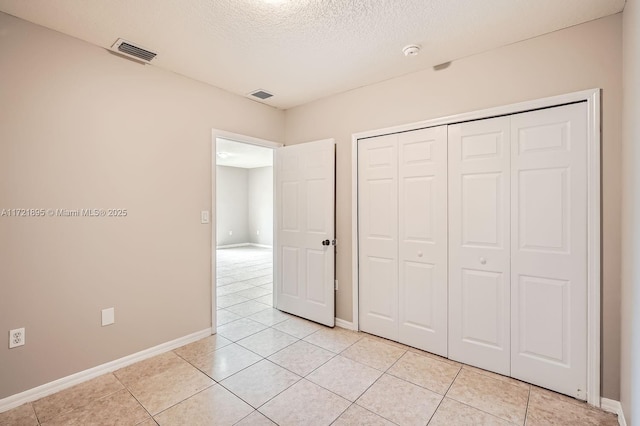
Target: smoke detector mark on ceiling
[
  {"x": 261, "y": 94},
  {"x": 133, "y": 51},
  {"x": 411, "y": 50}
]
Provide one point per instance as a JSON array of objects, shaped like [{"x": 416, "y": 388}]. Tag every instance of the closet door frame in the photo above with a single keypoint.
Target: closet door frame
[{"x": 594, "y": 314}]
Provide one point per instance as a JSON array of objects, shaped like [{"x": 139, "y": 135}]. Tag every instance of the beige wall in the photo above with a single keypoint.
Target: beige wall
[
  {"x": 630, "y": 347},
  {"x": 232, "y": 205},
  {"x": 261, "y": 205},
  {"x": 582, "y": 57},
  {"x": 82, "y": 128}
]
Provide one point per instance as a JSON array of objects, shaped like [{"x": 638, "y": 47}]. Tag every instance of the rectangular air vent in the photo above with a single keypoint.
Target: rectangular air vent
[
  {"x": 129, "y": 49},
  {"x": 261, "y": 94}
]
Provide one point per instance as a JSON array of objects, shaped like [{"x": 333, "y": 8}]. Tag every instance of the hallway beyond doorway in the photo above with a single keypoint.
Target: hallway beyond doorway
[{"x": 244, "y": 281}]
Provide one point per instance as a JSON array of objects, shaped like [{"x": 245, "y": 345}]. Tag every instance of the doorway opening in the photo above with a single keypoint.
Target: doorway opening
[{"x": 243, "y": 232}]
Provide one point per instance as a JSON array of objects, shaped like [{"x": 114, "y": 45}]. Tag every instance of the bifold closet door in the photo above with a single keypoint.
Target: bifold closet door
[
  {"x": 422, "y": 246},
  {"x": 402, "y": 208},
  {"x": 479, "y": 244},
  {"x": 549, "y": 248},
  {"x": 378, "y": 235}
]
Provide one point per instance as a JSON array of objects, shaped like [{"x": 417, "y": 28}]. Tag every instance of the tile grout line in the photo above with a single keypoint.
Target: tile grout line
[
  {"x": 247, "y": 416},
  {"x": 261, "y": 405},
  {"x": 355, "y": 402},
  {"x": 181, "y": 401},
  {"x": 445, "y": 394},
  {"x": 35, "y": 413},
  {"x": 134, "y": 397},
  {"x": 366, "y": 409},
  {"x": 526, "y": 410},
  {"x": 82, "y": 406},
  {"x": 260, "y": 355},
  {"x": 485, "y": 376}
]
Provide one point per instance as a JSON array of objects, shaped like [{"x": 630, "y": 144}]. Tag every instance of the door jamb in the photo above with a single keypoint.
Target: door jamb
[
  {"x": 594, "y": 314},
  {"x": 236, "y": 137}
]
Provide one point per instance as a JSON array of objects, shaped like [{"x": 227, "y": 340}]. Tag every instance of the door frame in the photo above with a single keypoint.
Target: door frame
[
  {"x": 594, "y": 314},
  {"x": 250, "y": 140}
]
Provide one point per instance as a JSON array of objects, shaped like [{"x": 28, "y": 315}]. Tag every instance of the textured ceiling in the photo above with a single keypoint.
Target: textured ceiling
[{"x": 302, "y": 50}]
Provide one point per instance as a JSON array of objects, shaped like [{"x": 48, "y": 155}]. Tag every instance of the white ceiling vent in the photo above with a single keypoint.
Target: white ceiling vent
[
  {"x": 261, "y": 94},
  {"x": 133, "y": 51}
]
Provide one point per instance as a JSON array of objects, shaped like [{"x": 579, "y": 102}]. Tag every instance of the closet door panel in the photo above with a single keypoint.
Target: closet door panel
[
  {"x": 378, "y": 235},
  {"x": 549, "y": 248},
  {"x": 422, "y": 210},
  {"x": 479, "y": 244}
]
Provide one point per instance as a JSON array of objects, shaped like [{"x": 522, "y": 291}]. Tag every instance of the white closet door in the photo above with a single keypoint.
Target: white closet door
[
  {"x": 549, "y": 248},
  {"x": 378, "y": 235},
  {"x": 479, "y": 244},
  {"x": 422, "y": 262}
]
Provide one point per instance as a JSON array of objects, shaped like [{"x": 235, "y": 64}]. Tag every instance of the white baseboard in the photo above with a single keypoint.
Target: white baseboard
[
  {"x": 244, "y": 245},
  {"x": 614, "y": 407},
  {"x": 345, "y": 324},
  {"x": 233, "y": 245},
  {"x": 82, "y": 376}
]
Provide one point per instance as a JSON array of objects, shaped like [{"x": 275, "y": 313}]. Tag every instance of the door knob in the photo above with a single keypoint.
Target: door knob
[
  {"x": 326, "y": 243},
  {"x": 483, "y": 261},
  {"x": 419, "y": 253}
]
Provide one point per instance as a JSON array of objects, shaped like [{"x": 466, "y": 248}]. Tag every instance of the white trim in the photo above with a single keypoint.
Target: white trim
[
  {"x": 345, "y": 324},
  {"x": 217, "y": 133},
  {"x": 613, "y": 406},
  {"x": 226, "y": 246},
  {"x": 82, "y": 376},
  {"x": 592, "y": 97},
  {"x": 244, "y": 245},
  {"x": 584, "y": 95},
  {"x": 274, "y": 230},
  {"x": 593, "y": 248},
  {"x": 355, "y": 263},
  {"x": 261, "y": 245},
  {"x": 237, "y": 137}
]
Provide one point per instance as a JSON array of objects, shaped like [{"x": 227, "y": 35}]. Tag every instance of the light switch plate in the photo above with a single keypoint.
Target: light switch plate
[
  {"x": 108, "y": 316},
  {"x": 204, "y": 216}
]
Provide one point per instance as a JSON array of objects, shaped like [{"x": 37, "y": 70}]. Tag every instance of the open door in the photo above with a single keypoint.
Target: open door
[{"x": 304, "y": 243}]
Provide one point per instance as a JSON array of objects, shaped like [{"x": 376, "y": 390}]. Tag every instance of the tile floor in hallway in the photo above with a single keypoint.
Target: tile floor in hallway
[{"x": 265, "y": 367}]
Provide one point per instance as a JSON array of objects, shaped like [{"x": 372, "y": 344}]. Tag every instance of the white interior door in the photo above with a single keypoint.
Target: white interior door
[
  {"x": 305, "y": 211},
  {"x": 479, "y": 244},
  {"x": 422, "y": 240},
  {"x": 549, "y": 248},
  {"x": 378, "y": 235}
]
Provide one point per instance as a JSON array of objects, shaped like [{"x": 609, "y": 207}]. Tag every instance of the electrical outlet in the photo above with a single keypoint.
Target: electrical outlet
[
  {"x": 108, "y": 316},
  {"x": 16, "y": 338}
]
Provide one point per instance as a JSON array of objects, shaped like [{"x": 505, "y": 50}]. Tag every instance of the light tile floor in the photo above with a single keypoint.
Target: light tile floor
[{"x": 265, "y": 367}]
